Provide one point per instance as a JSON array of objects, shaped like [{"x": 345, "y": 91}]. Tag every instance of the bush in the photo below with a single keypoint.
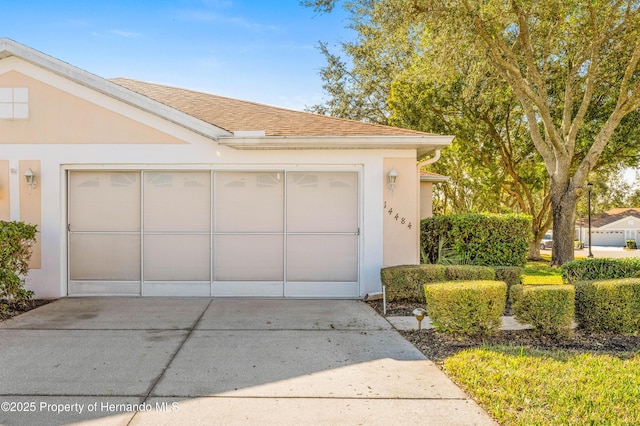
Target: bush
[
  {"x": 16, "y": 241},
  {"x": 485, "y": 239},
  {"x": 512, "y": 275},
  {"x": 405, "y": 282},
  {"x": 631, "y": 244},
  {"x": 549, "y": 308},
  {"x": 468, "y": 273},
  {"x": 611, "y": 306},
  {"x": 471, "y": 308},
  {"x": 600, "y": 269}
]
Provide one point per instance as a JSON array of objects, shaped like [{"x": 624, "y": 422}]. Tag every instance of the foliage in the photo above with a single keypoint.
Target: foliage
[
  {"x": 16, "y": 241},
  {"x": 471, "y": 308},
  {"x": 405, "y": 282},
  {"x": 631, "y": 244},
  {"x": 549, "y": 308},
  {"x": 469, "y": 272},
  {"x": 447, "y": 255},
  {"x": 489, "y": 239},
  {"x": 611, "y": 306},
  {"x": 511, "y": 275},
  {"x": 572, "y": 66},
  {"x": 520, "y": 386},
  {"x": 600, "y": 269}
]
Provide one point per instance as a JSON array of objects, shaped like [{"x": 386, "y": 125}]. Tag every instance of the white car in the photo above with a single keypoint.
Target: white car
[{"x": 547, "y": 242}]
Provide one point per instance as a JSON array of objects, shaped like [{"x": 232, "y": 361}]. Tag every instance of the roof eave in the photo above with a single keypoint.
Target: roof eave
[
  {"x": 434, "y": 178},
  {"x": 424, "y": 145}
]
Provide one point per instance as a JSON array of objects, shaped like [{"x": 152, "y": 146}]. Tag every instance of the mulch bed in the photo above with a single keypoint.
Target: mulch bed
[
  {"x": 11, "y": 309},
  {"x": 437, "y": 346}
]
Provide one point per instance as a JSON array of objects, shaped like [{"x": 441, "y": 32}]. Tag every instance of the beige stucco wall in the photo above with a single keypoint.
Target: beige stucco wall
[
  {"x": 57, "y": 117},
  {"x": 31, "y": 206},
  {"x": 5, "y": 206},
  {"x": 426, "y": 199},
  {"x": 401, "y": 209}
]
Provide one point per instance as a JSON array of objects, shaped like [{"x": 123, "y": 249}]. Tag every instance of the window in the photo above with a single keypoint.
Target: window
[{"x": 14, "y": 102}]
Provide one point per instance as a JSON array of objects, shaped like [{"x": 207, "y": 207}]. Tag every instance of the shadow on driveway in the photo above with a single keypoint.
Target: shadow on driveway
[{"x": 198, "y": 361}]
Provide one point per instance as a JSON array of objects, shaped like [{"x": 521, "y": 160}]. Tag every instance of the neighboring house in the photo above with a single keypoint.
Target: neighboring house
[
  {"x": 611, "y": 228},
  {"x": 144, "y": 189}
]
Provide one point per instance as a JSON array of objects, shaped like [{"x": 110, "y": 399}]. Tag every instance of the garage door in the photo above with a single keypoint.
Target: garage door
[
  {"x": 213, "y": 233},
  {"x": 608, "y": 238}
]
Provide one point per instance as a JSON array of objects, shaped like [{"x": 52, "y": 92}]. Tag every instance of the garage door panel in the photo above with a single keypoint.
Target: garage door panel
[
  {"x": 105, "y": 257},
  {"x": 104, "y": 201},
  {"x": 249, "y": 202},
  {"x": 177, "y": 258},
  {"x": 322, "y": 202},
  {"x": 322, "y": 258},
  {"x": 248, "y": 258},
  {"x": 177, "y": 201}
]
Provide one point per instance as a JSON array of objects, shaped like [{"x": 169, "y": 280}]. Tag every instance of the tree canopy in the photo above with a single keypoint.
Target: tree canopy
[{"x": 567, "y": 72}]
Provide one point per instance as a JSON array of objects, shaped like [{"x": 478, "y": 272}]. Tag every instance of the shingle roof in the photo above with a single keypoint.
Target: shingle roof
[
  {"x": 611, "y": 216},
  {"x": 238, "y": 115}
]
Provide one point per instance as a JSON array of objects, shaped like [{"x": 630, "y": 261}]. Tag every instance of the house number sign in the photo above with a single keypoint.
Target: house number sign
[{"x": 401, "y": 220}]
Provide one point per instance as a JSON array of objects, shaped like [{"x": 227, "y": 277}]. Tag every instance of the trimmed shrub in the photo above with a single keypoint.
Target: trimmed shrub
[
  {"x": 512, "y": 275},
  {"x": 631, "y": 244},
  {"x": 611, "y": 306},
  {"x": 549, "y": 309},
  {"x": 542, "y": 280},
  {"x": 600, "y": 269},
  {"x": 16, "y": 241},
  {"x": 468, "y": 273},
  {"x": 405, "y": 282},
  {"x": 471, "y": 308},
  {"x": 485, "y": 239}
]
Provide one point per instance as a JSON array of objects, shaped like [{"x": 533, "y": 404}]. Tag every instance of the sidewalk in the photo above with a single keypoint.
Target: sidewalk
[{"x": 411, "y": 323}]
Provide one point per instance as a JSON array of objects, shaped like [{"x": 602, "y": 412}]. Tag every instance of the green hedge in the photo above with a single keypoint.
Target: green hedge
[
  {"x": 468, "y": 272},
  {"x": 471, "y": 308},
  {"x": 610, "y": 306},
  {"x": 405, "y": 282},
  {"x": 16, "y": 241},
  {"x": 485, "y": 239},
  {"x": 600, "y": 269},
  {"x": 512, "y": 275},
  {"x": 549, "y": 309}
]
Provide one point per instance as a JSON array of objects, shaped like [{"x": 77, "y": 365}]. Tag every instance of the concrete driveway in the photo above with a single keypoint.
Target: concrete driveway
[{"x": 154, "y": 361}]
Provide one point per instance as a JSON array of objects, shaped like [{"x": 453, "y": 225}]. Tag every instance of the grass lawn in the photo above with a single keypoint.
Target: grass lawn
[
  {"x": 541, "y": 268},
  {"x": 526, "y": 386},
  {"x": 520, "y": 386}
]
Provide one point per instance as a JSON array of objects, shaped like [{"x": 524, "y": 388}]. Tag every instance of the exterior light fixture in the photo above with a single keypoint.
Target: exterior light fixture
[
  {"x": 393, "y": 176},
  {"x": 419, "y": 313},
  {"x": 30, "y": 177},
  {"x": 589, "y": 189}
]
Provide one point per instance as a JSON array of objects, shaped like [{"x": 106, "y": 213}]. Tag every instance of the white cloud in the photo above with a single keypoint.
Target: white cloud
[{"x": 127, "y": 34}]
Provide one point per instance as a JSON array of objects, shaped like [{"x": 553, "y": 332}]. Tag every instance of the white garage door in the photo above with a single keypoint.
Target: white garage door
[
  {"x": 213, "y": 233},
  {"x": 607, "y": 238}
]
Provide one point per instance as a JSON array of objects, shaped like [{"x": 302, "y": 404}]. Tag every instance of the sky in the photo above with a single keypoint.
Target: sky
[{"x": 258, "y": 50}]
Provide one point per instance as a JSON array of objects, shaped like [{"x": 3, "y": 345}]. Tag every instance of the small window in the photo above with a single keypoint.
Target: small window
[{"x": 14, "y": 102}]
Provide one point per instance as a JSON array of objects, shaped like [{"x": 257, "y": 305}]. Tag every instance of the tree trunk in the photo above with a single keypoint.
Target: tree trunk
[
  {"x": 563, "y": 208},
  {"x": 534, "y": 250}
]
